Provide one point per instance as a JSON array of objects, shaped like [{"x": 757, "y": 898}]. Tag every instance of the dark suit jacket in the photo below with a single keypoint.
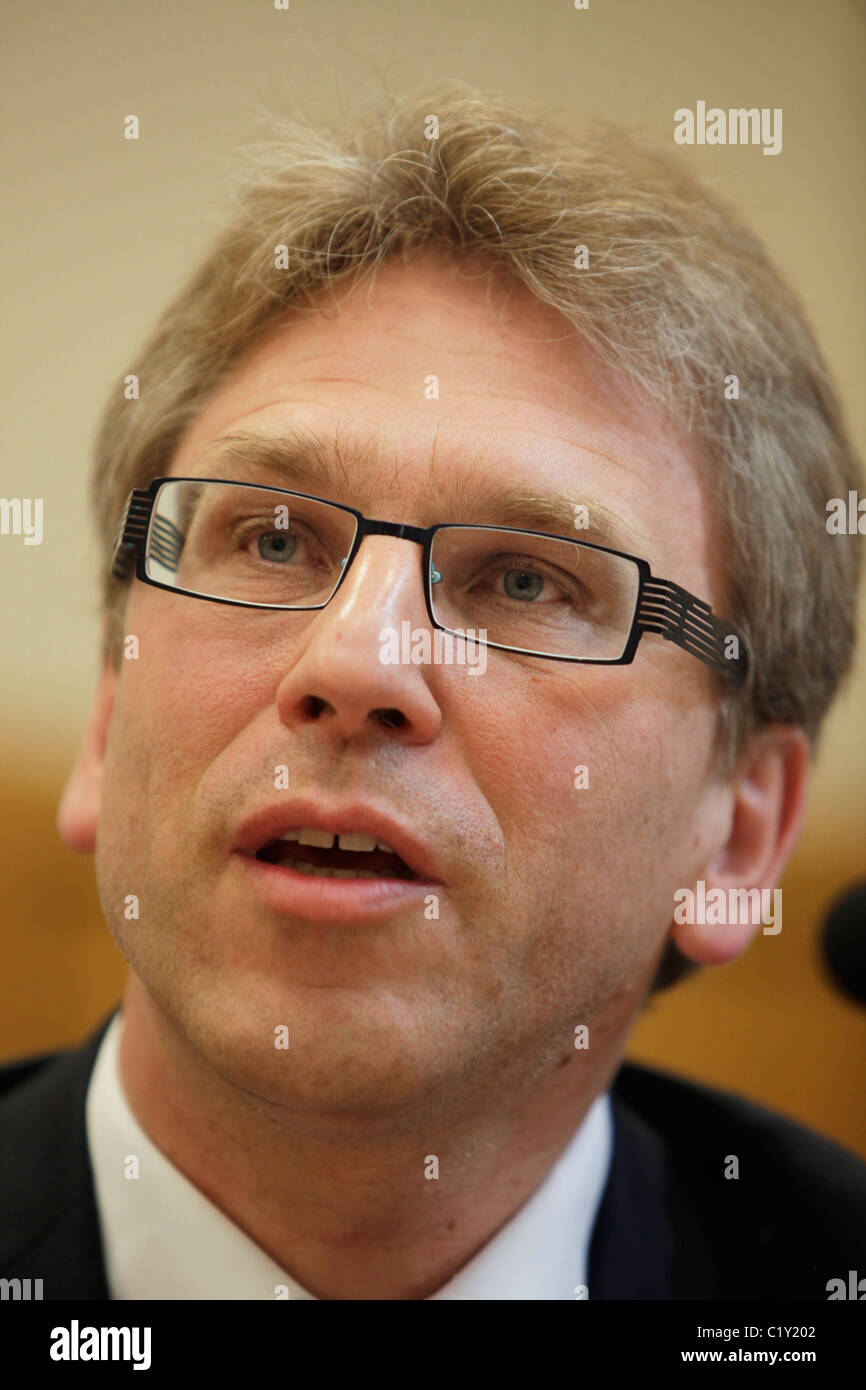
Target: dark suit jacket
[{"x": 670, "y": 1224}]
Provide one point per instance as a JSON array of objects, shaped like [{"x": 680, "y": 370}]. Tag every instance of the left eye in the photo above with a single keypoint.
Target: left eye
[{"x": 277, "y": 545}]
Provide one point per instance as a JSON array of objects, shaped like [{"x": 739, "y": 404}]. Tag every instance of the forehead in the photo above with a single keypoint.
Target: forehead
[{"x": 442, "y": 385}]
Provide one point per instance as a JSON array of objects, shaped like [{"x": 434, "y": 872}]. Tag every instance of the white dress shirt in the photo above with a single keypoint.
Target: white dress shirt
[{"x": 163, "y": 1239}]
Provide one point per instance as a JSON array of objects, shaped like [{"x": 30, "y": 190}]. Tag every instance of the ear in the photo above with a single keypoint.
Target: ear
[
  {"x": 78, "y": 815},
  {"x": 768, "y": 803}
]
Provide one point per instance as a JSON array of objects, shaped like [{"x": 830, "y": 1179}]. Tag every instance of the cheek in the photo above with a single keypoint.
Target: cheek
[
  {"x": 556, "y": 754},
  {"x": 594, "y": 780},
  {"x": 178, "y": 711},
  {"x": 195, "y": 685}
]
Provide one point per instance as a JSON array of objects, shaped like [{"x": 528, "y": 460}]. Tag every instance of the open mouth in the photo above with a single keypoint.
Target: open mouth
[{"x": 308, "y": 852}]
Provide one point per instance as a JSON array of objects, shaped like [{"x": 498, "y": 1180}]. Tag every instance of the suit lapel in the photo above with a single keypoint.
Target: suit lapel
[
  {"x": 630, "y": 1250},
  {"x": 50, "y": 1226},
  {"x": 670, "y": 1226}
]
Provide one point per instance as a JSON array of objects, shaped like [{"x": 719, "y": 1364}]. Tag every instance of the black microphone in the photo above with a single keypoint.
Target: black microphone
[{"x": 844, "y": 942}]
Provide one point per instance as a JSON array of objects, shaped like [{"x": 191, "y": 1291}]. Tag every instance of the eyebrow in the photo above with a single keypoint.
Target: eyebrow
[{"x": 302, "y": 462}]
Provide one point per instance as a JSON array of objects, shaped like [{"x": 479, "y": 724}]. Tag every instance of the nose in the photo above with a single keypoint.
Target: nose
[{"x": 339, "y": 679}]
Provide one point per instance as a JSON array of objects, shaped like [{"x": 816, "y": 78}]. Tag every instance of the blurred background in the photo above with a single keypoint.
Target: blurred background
[{"x": 101, "y": 231}]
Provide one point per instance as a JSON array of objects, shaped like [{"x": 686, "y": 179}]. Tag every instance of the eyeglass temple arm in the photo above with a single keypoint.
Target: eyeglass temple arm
[
  {"x": 132, "y": 530},
  {"x": 679, "y": 617}
]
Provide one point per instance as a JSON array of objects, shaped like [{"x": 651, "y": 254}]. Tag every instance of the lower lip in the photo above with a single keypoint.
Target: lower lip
[{"x": 332, "y": 899}]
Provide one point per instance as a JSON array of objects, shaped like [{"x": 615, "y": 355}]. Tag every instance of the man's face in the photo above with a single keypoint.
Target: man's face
[{"x": 554, "y": 900}]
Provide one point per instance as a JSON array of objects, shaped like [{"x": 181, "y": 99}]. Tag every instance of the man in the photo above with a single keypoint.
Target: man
[{"x": 412, "y": 1088}]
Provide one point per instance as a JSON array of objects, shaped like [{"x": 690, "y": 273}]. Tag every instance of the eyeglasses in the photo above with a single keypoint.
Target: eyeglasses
[{"x": 529, "y": 592}]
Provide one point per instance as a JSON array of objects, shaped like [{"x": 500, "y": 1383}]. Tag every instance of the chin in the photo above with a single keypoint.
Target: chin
[{"x": 318, "y": 1054}]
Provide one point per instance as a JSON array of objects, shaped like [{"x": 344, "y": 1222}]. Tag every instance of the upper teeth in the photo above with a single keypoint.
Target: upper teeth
[{"x": 324, "y": 839}]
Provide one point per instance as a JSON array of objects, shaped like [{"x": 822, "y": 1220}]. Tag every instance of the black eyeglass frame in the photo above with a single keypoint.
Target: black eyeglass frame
[{"x": 661, "y": 607}]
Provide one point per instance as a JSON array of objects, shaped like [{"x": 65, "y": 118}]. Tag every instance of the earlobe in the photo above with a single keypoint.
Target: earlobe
[
  {"x": 736, "y": 897},
  {"x": 78, "y": 813}
]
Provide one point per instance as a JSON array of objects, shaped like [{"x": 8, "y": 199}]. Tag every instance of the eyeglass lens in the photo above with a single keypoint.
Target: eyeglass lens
[{"x": 254, "y": 545}]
